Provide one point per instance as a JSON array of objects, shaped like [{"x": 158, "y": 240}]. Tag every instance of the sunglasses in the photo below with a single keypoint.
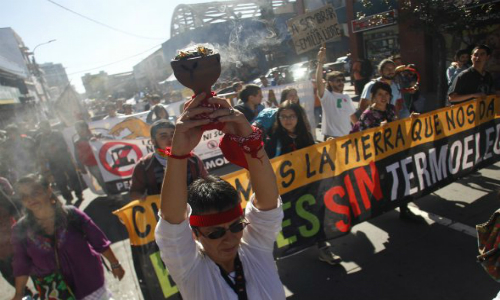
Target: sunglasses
[{"x": 219, "y": 232}]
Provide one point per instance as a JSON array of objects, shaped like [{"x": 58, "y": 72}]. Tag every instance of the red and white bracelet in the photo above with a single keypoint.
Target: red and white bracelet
[{"x": 168, "y": 152}]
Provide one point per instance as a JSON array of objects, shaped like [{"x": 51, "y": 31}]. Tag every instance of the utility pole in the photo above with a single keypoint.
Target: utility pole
[{"x": 37, "y": 69}]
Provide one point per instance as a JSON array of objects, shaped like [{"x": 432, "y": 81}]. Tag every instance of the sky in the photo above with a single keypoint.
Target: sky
[{"x": 83, "y": 46}]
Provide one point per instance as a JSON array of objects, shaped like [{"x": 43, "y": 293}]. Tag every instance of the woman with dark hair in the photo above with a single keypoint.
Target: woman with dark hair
[
  {"x": 158, "y": 112},
  {"x": 211, "y": 248},
  {"x": 289, "y": 132},
  {"x": 52, "y": 240},
  {"x": 380, "y": 112},
  {"x": 290, "y": 94},
  {"x": 267, "y": 117}
]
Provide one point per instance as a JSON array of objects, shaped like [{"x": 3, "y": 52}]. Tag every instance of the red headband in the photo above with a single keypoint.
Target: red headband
[{"x": 216, "y": 219}]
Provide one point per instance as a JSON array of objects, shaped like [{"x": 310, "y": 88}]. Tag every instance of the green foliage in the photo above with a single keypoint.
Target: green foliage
[{"x": 444, "y": 16}]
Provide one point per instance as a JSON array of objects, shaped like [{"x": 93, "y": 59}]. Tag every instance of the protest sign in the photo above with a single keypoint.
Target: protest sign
[
  {"x": 327, "y": 188},
  {"x": 314, "y": 28},
  {"x": 117, "y": 158},
  {"x": 123, "y": 140}
]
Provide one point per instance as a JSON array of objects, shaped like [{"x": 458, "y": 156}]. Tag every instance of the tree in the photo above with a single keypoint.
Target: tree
[{"x": 440, "y": 17}]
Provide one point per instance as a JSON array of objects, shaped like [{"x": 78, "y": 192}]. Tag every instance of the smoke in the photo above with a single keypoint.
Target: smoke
[{"x": 245, "y": 45}]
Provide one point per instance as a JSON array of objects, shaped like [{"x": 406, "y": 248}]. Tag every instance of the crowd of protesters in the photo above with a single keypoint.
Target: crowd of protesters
[{"x": 206, "y": 241}]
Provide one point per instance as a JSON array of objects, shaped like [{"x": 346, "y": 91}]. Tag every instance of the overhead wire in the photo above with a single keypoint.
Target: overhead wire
[
  {"x": 102, "y": 24},
  {"x": 115, "y": 62}
]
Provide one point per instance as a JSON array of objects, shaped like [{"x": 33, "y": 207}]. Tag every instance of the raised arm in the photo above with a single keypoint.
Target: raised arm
[
  {"x": 187, "y": 134},
  {"x": 320, "y": 85},
  {"x": 261, "y": 172}
]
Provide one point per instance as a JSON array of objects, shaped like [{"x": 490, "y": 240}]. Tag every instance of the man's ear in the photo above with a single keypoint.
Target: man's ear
[{"x": 195, "y": 234}]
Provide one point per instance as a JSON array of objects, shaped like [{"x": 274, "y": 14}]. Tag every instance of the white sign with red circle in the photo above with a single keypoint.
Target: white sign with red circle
[{"x": 120, "y": 157}]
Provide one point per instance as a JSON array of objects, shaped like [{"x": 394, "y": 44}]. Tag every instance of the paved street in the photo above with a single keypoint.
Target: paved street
[
  {"x": 383, "y": 258},
  {"x": 386, "y": 258}
]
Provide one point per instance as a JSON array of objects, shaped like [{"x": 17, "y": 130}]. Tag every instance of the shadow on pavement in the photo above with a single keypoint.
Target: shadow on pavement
[
  {"x": 101, "y": 211},
  {"x": 391, "y": 260}
]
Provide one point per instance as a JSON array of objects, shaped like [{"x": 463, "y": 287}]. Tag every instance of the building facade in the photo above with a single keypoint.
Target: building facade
[
  {"x": 56, "y": 78},
  {"x": 151, "y": 71},
  {"x": 102, "y": 85},
  {"x": 22, "y": 94},
  {"x": 386, "y": 30}
]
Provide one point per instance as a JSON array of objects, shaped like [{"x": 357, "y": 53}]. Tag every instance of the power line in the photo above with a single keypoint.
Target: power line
[
  {"x": 102, "y": 24},
  {"x": 115, "y": 62}
]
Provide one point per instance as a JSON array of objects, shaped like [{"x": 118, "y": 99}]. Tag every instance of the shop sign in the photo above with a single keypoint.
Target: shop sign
[
  {"x": 309, "y": 31},
  {"x": 374, "y": 21},
  {"x": 9, "y": 95}
]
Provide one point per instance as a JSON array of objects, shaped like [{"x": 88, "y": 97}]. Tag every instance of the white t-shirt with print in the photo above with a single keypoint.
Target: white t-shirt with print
[
  {"x": 337, "y": 111},
  {"x": 198, "y": 277}
]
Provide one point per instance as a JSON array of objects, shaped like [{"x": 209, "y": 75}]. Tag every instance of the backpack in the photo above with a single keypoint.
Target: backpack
[
  {"x": 265, "y": 119},
  {"x": 366, "y": 68}
]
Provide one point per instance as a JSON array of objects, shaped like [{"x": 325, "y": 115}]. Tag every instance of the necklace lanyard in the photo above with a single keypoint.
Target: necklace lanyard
[{"x": 239, "y": 282}]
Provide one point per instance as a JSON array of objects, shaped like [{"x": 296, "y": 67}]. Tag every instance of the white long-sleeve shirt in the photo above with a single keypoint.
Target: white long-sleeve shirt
[{"x": 198, "y": 277}]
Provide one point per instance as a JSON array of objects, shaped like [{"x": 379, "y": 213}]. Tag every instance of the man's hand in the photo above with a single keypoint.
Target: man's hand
[
  {"x": 320, "y": 85},
  {"x": 235, "y": 121},
  {"x": 188, "y": 132},
  {"x": 322, "y": 55}
]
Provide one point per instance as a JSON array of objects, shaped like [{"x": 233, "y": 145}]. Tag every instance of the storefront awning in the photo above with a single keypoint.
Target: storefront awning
[{"x": 9, "y": 95}]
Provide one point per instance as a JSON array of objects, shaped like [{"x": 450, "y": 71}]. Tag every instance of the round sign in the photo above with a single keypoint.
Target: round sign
[
  {"x": 212, "y": 144},
  {"x": 119, "y": 158}
]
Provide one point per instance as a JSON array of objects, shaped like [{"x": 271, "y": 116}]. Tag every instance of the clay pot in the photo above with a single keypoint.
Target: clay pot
[{"x": 199, "y": 73}]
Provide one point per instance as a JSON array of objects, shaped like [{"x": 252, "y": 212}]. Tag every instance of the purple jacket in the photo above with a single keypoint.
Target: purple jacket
[{"x": 78, "y": 251}]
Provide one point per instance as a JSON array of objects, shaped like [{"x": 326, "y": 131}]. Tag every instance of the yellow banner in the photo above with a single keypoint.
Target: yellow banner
[{"x": 332, "y": 158}]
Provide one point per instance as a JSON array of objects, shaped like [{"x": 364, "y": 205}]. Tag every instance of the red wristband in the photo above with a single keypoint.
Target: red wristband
[{"x": 168, "y": 152}]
